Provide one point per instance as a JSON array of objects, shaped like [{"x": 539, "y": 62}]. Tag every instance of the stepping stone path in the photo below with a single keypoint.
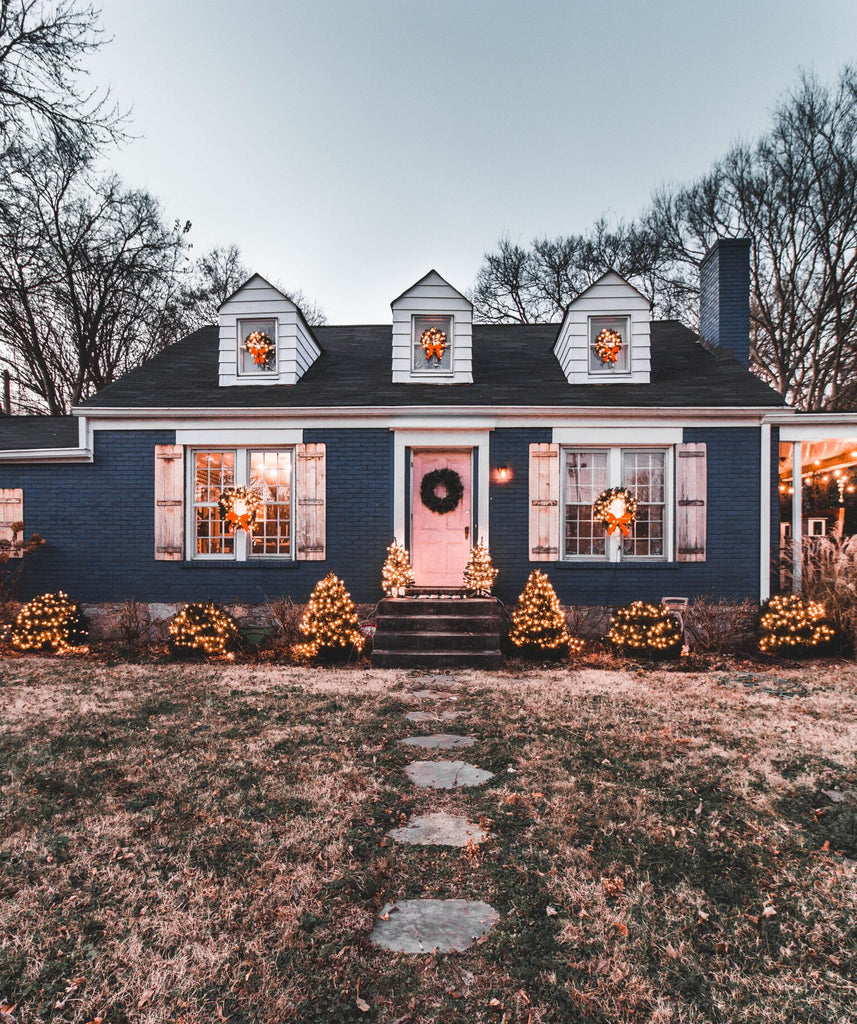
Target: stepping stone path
[
  {"x": 439, "y": 829},
  {"x": 439, "y": 741},
  {"x": 445, "y": 774},
  {"x": 432, "y": 716},
  {"x": 444, "y": 926},
  {"x": 421, "y": 926}
]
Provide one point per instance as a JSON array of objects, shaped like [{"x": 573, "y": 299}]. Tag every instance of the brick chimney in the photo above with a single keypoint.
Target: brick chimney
[{"x": 724, "y": 297}]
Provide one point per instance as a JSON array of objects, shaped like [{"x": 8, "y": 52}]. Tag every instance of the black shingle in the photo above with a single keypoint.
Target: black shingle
[
  {"x": 31, "y": 432},
  {"x": 512, "y": 365}
]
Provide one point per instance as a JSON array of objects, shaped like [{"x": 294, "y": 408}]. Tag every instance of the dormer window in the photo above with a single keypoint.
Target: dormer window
[
  {"x": 432, "y": 345},
  {"x": 257, "y": 347},
  {"x": 609, "y": 344}
]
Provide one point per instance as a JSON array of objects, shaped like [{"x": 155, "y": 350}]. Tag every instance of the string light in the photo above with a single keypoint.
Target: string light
[
  {"x": 396, "y": 573},
  {"x": 641, "y": 628},
  {"x": 790, "y": 624},
  {"x": 538, "y": 622},
  {"x": 329, "y": 622},
  {"x": 479, "y": 573},
  {"x": 202, "y": 628},
  {"x": 49, "y": 622}
]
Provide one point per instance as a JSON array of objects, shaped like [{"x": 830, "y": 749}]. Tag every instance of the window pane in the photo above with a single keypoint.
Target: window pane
[
  {"x": 424, "y": 362},
  {"x": 246, "y": 361},
  {"x": 271, "y": 479},
  {"x": 586, "y": 478},
  {"x": 643, "y": 473},
  {"x": 214, "y": 472},
  {"x": 618, "y": 325}
]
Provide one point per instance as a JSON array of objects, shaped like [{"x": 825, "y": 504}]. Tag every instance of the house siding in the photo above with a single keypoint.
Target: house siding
[
  {"x": 98, "y": 523},
  {"x": 731, "y": 568}
]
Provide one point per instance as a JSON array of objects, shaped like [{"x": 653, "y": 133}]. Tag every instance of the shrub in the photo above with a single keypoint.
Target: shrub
[
  {"x": 49, "y": 622},
  {"x": 538, "y": 623},
  {"x": 134, "y": 625},
  {"x": 720, "y": 627},
  {"x": 790, "y": 625},
  {"x": 329, "y": 625},
  {"x": 202, "y": 629},
  {"x": 830, "y": 578},
  {"x": 645, "y": 629}
]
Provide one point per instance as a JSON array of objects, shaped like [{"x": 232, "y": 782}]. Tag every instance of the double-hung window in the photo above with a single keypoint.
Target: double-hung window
[
  {"x": 269, "y": 473},
  {"x": 646, "y": 473}
]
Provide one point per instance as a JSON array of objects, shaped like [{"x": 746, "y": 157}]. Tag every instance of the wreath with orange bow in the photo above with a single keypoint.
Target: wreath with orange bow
[
  {"x": 608, "y": 345},
  {"x": 616, "y": 508},
  {"x": 260, "y": 347},
  {"x": 433, "y": 341},
  {"x": 239, "y": 507}
]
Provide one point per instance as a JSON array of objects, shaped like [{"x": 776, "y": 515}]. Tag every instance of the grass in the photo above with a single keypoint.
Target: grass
[{"x": 193, "y": 843}]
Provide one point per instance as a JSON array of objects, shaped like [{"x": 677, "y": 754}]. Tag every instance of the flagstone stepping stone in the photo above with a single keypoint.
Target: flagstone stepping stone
[
  {"x": 432, "y": 695},
  {"x": 424, "y": 926},
  {"x": 446, "y": 774},
  {"x": 439, "y": 741},
  {"x": 432, "y": 716},
  {"x": 441, "y": 679},
  {"x": 439, "y": 829}
]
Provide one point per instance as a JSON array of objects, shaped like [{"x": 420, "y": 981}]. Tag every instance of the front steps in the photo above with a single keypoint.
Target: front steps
[{"x": 437, "y": 632}]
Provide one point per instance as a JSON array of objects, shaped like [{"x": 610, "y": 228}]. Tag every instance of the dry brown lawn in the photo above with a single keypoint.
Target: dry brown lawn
[{"x": 206, "y": 843}]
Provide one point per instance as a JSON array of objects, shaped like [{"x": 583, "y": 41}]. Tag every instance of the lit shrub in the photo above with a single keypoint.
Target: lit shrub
[
  {"x": 790, "y": 625},
  {"x": 329, "y": 625},
  {"x": 538, "y": 623},
  {"x": 49, "y": 622},
  {"x": 202, "y": 629},
  {"x": 646, "y": 630}
]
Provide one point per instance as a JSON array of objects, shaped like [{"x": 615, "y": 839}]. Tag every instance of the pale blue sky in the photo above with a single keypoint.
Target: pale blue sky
[{"x": 347, "y": 146}]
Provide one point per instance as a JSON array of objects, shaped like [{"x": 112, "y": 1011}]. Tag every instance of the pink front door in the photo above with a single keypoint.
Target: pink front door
[{"x": 440, "y": 541}]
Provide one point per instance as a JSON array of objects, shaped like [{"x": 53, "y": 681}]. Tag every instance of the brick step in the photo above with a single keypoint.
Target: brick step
[
  {"x": 437, "y": 623},
  {"x": 436, "y": 659},
  {"x": 438, "y": 606},
  {"x": 432, "y": 641}
]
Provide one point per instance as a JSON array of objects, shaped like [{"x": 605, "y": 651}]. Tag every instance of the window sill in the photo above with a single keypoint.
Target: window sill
[
  {"x": 626, "y": 566},
  {"x": 231, "y": 563}
]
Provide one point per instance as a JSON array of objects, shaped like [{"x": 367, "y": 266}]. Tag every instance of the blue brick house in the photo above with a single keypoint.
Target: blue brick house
[{"x": 430, "y": 429}]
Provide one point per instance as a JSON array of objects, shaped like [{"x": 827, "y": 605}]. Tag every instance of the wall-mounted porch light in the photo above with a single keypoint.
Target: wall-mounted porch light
[{"x": 503, "y": 474}]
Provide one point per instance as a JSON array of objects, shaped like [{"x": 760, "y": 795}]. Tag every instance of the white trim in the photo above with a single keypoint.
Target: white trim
[
  {"x": 236, "y": 437},
  {"x": 626, "y": 436},
  {"x": 765, "y": 514},
  {"x": 797, "y": 517},
  {"x": 819, "y": 432},
  {"x": 256, "y": 375},
  {"x": 606, "y": 372},
  {"x": 477, "y": 440},
  {"x": 426, "y": 375},
  {"x": 46, "y": 455}
]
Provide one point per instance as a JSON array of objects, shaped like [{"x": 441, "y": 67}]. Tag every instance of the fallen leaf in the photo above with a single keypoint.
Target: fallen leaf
[
  {"x": 703, "y": 916},
  {"x": 539, "y": 796},
  {"x": 551, "y": 911},
  {"x": 621, "y": 928},
  {"x": 698, "y": 810},
  {"x": 768, "y": 911},
  {"x": 145, "y": 997},
  {"x": 494, "y": 1002},
  {"x": 362, "y": 1005},
  {"x": 826, "y": 846}
]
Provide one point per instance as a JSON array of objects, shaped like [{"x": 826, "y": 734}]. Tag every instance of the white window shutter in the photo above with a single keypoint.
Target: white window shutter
[
  {"x": 311, "y": 504},
  {"x": 544, "y": 502},
  {"x": 11, "y": 511},
  {"x": 169, "y": 502},
  {"x": 691, "y": 502}
]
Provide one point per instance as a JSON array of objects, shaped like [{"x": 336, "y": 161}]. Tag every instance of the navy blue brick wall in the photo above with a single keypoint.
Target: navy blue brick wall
[
  {"x": 731, "y": 569},
  {"x": 98, "y": 521},
  {"x": 724, "y": 301}
]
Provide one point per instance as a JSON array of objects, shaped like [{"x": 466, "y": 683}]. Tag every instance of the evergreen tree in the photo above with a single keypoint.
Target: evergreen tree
[
  {"x": 538, "y": 622},
  {"x": 479, "y": 573},
  {"x": 329, "y": 623},
  {"x": 397, "y": 571}
]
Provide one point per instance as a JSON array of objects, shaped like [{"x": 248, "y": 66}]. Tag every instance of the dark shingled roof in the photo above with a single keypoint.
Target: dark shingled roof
[
  {"x": 31, "y": 432},
  {"x": 512, "y": 365}
]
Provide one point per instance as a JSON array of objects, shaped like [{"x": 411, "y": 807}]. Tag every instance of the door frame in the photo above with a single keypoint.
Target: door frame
[{"x": 445, "y": 439}]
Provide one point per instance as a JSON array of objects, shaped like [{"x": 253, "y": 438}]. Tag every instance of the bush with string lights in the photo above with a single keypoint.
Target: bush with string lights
[
  {"x": 645, "y": 630},
  {"x": 538, "y": 622},
  {"x": 794, "y": 627},
  {"x": 329, "y": 625},
  {"x": 202, "y": 629},
  {"x": 50, "y": 622}
]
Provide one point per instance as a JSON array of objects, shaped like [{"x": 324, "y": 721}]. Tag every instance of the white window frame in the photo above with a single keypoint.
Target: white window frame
[
  {"x": 595, "y": 369},
  {"x": 433, "y": 371},
  {"x": 241, "y": 548},
  {"x": 242, "y": 324},
  {"x": 614, "y": 479}
]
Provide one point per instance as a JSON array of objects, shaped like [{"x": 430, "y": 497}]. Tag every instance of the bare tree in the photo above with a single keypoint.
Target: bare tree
[
  {"x": 90, "y": 281},
  {"x": 42, "y": 90}
]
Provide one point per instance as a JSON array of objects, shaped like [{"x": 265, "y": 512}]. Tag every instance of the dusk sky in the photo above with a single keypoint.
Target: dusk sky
[{"x": 347, "y": 147}]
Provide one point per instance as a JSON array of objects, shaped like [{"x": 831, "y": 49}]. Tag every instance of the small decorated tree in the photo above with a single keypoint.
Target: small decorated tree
[
  {"x": 479, "y": 573},
  {"x": 202, "y": 629},
  {"x": 792, "y": 626},
  {"x": 645, "y": 630},
  {"x": 396, "y": 574},
  {"x": 538, "y": 623},
  {"x": 50, "y": 622},
  {"x": 329, "y": 624}
]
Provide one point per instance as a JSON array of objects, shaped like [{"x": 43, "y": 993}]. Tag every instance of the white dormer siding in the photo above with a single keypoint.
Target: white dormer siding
[
  {"x": 432, "y": 297},
  {"x": 609, "y": 302},
  {"x": 296, "y": 348}
]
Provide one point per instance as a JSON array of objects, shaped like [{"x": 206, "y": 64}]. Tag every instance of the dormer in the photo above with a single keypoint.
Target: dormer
[
  {"x": 605, "y": 337},
  {"x": 264, "y": 338},
  {"x": 432, "y": 334}
]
